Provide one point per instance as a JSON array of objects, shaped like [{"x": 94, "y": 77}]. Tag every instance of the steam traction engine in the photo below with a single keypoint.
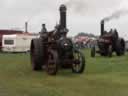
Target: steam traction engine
[
  {"x": 53, "y": 50},
  {"x": 109, "y": 42}
]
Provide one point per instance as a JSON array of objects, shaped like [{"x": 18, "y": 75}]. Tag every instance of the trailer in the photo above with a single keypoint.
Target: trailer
[
  {"x": 16, "y": 42},
  {"x": 7, "y": 32}
]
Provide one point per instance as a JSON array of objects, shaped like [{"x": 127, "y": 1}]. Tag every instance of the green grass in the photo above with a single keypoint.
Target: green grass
[{"x": 103, "y": 77}]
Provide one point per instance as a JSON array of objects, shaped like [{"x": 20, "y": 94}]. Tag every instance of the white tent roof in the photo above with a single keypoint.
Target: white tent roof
[{"x": 9, "y": 36}]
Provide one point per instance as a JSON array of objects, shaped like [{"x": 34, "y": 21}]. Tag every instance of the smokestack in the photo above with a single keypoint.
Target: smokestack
[
  {"x": 26, "y": 27},
  {"x": 102, "y": 27},
  {"x": 63, "y": 16}
]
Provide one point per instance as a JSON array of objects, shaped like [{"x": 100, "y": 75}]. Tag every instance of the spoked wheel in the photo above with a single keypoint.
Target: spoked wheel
[
  {"x": 110, "y": 51},
  {"x": 79, "y": 62},
  {"x": 52, "y": 63},
  {"x": 122, "y": 43},
  {"x": 120, "y": 47},
  {"x": 93, "y": 51}
]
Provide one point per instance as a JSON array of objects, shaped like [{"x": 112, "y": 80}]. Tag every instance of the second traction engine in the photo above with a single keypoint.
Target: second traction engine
[{"x": 108, "y": 42}]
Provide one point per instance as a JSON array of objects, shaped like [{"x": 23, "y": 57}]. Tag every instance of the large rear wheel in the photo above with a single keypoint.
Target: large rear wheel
[
  {"x": 120, "y": 47},
  {"x": 36, "y": 54}
]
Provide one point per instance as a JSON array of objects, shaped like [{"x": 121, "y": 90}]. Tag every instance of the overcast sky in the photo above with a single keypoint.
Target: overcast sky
[{"x": 82, "y": 15}]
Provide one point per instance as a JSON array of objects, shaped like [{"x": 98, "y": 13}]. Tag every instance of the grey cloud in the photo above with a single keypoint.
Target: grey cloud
[
  {"x": 91, "y": 6},
  {"x": 80, "y": 13}
]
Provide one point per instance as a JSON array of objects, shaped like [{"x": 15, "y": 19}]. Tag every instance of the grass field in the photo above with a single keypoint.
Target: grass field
[{"x": 102, "y": 77}]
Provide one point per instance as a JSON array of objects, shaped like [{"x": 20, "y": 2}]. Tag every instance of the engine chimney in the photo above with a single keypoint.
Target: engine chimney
[
  {"x": 62, "y": 16},
  {"x": 26, "y": 27},
  {"x": 102, "y": 27}
]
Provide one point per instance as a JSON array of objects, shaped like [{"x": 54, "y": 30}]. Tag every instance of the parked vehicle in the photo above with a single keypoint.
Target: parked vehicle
[{"x": 16, "y": 43}]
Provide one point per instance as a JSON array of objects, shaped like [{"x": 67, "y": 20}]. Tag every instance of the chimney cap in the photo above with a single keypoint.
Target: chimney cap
[
  {"x": 43, "y": 24},
  {"x": 63, "y": 7},
  {"x": 102, "y": 21}
]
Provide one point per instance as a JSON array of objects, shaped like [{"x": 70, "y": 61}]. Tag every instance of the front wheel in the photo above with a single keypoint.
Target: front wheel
[
  {"x": 52, "y": 63},
  {"x": 79, "y": 62},
  {"x": 93, "y": 51},
  {"x": 110, "y": 51}
]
